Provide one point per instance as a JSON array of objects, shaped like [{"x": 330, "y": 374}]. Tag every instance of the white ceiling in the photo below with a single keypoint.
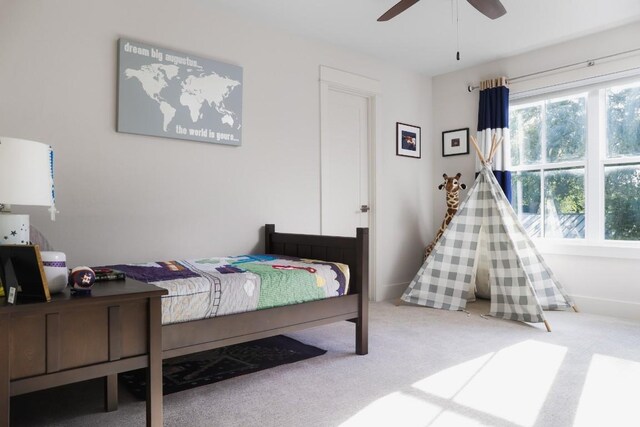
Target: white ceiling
[{"x": 423, "y": 38}]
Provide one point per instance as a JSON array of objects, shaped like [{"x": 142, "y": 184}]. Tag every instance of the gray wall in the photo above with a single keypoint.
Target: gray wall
[{"x": 136, "y": 198}]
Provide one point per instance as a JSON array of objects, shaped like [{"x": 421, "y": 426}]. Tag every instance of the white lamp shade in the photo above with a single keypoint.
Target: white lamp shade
[{"x": 25, "y": 172}]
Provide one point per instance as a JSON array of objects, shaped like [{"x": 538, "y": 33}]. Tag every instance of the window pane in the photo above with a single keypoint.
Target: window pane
[
  {"x": 622, "y": 202},
  {"x": 525, "y": 125},
  {"x": 526, "y": 200},
  {"x": 564, "y": 203},
  {"x": 623, "y": 120},
  {"x": 566, "y": 129}
]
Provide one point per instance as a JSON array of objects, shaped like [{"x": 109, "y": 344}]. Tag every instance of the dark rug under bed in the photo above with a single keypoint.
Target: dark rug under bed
[{"x": 211, "y": 366}]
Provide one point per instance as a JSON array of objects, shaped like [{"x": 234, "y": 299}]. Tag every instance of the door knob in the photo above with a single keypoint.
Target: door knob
[{"x": 364, "y": 208}]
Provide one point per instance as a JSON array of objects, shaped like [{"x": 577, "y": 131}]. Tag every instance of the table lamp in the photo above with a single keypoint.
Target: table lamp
[{"x": 26, "y": 178}]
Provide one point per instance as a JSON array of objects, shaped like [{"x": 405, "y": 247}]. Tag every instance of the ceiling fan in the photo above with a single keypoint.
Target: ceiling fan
[{"x": 490, "y": 8}]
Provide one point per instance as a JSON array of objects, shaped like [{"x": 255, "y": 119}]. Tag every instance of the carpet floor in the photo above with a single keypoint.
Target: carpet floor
[{"x": 425, "y": 367}]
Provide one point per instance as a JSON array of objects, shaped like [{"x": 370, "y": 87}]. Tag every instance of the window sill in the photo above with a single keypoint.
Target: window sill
[{"x": 600, "y": 249}]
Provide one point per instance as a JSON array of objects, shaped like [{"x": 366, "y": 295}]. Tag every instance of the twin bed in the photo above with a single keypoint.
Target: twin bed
[{"x": 215, "y": 302}]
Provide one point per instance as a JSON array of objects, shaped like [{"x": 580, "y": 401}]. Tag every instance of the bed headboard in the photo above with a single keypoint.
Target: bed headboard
[{"x": 353, "y": 251}]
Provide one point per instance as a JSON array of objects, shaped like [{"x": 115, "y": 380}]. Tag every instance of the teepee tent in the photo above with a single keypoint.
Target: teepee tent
[{"x": 521, "y": 283}]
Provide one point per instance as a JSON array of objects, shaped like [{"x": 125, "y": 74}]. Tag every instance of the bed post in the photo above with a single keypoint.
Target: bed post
[
  {"x": 362, "y": 285},
  {"x": 269, "y": 229}
]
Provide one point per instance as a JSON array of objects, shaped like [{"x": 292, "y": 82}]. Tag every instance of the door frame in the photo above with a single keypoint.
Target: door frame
[{"x": 368, "y": 88}]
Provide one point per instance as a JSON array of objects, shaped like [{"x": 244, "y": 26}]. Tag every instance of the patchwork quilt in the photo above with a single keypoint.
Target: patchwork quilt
[{"x": 210, "y": 287}]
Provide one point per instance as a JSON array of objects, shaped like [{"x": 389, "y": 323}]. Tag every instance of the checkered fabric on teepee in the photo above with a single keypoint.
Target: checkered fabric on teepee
[
  {"x": 550, "y": 293},
  {"x": 521, "y": 283},
  {"x": 512, "y": 294},
  {"x": 445, "y": 279}
]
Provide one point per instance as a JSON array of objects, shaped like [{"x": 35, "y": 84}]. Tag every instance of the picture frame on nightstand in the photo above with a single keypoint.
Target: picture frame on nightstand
[{"x": 22, "y": 274}]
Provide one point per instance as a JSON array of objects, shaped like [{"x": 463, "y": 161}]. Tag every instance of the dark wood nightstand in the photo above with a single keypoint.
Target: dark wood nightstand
[{"x": 75, "y": 338}]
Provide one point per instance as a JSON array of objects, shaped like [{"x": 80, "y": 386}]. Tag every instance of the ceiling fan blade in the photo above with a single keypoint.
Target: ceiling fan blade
[
  {"x": 490, "y": 8},
  {"x": 399, "y": 7}
]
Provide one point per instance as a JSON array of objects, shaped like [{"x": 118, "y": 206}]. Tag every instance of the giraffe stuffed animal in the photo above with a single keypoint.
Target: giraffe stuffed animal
[{"x": 452, "y": 186}]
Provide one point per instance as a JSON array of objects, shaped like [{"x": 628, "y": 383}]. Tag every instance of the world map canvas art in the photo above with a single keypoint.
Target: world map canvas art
[{"x": 166, "y": 93}]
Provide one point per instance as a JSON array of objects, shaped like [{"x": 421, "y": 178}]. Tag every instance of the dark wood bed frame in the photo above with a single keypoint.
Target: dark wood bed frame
[{"x": 191, "y": 337}]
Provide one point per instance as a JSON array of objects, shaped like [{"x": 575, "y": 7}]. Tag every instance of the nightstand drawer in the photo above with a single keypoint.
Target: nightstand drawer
[{"x": 83, "y": 336}]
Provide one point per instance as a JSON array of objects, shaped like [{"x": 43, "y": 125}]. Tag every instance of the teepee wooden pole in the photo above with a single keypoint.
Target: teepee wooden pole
[
  {"x": 547, "y": 325},
  {"x": 494, "y": 149},
  {"x": 493, "y": 144},
  {"x": 478, "y": 152},
  {"x": 575, "y": 308}
]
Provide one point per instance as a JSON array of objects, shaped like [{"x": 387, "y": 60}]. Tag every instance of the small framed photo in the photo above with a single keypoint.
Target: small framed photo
[
  {"x": 408, "y": 140},
  {"x": 22, "y": 274},
  {"x": 455, "y": 142}
]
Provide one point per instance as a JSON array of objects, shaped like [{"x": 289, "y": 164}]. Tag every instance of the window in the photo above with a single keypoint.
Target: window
[{"x": 576, "y": 163}]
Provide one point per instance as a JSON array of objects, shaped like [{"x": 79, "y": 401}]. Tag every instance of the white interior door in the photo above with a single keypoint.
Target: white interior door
[{"x": 345, "y": 163}]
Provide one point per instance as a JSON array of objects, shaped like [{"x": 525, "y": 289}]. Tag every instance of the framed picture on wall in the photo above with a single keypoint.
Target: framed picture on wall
[
  {"x": 455, "y": 142},
  {"x": 174, "y": 94},
  {"x": 408, "y": 140}
]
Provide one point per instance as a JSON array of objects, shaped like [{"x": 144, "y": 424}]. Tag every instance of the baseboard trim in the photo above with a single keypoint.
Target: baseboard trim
[
  {"x": 392, "y": 291},
  {"x": 586, "y": 304},
  {"x": 607, "y": 307}
]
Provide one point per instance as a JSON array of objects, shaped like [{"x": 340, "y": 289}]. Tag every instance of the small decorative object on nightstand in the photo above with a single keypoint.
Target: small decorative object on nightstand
[
  {"x": 104, "y": 274},
  {"x": 81, "y": 280},
  {"x": 55, "y": 268}
]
